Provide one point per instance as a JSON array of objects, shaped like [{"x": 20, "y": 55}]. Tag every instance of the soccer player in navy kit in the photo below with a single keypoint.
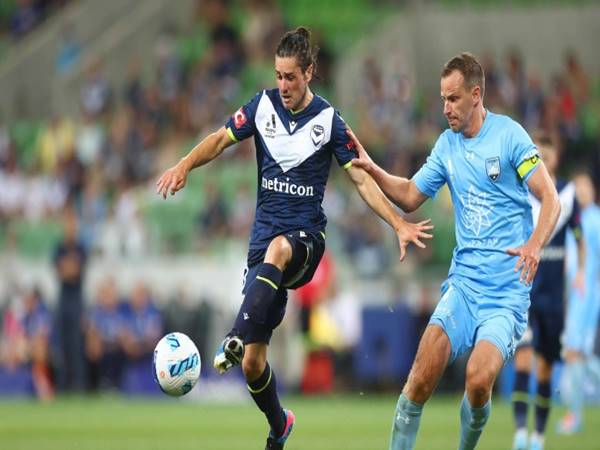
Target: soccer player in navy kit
[
  {"x": 546, "y": 313},
  {"x": 296, "y": 133}
]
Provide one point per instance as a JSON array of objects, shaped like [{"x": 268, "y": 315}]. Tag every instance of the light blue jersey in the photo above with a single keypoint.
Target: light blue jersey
[
  {"x": 583, "y": 310},
  {"x": 487, "y": 178}
]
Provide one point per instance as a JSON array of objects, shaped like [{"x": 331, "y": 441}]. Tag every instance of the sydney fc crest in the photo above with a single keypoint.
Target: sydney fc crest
[
  {"x": 492, "y": 168},
  {"x": 317, "y": 133}
]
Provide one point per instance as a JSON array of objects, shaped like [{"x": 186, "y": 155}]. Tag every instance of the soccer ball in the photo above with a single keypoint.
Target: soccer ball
[{"x": 176, "y": 364}]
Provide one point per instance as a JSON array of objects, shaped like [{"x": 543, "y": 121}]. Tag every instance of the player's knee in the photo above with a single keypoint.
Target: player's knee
[
  {"x": 419, "y": 388},
  {"x": 279, "y": 252},
  {"x": 479, "y": 382},
  {"x": 252, "y": 367}
]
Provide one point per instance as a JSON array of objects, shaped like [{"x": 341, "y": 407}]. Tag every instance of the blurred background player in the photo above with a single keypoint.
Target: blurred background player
[
  {"x": 296, "y": 134},
  {"x": 484, "y": 300},
  {"x": 582, "y": 312},
  {"x": 70, "y": 258},
  {"x": 546, "y": 313}
]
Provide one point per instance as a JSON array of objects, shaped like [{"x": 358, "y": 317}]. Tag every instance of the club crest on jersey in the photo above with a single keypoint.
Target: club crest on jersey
[
  {"x": 492, "y": 168},
  {"x": 317, "y": 133}
]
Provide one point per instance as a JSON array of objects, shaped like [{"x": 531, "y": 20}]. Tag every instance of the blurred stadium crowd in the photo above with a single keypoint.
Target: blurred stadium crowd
[
  {"x": 20, "y": 17},
  {"x": 80, "y": 187}
]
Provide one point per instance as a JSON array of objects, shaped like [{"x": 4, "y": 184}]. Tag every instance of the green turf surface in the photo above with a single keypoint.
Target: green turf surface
[{"x": 324, "y": 423}]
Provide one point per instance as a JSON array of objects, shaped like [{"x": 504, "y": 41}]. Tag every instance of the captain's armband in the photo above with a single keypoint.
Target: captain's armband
[{"x": 528, "y": 165}]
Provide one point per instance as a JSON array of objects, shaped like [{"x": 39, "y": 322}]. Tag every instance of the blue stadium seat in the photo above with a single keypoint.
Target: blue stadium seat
[
  {"x": 138, "y": 379},
  {"x": 16, "y": 383},
  {"x": 388, "y": 345}
]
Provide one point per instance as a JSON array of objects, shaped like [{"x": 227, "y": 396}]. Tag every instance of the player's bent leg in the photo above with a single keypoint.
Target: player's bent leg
[
  {"x": 429, "y": 365},
  {"x": 431, "y": 360},
  {"x": 262, "y": 386},
  {"x": 572, "y": 392},
  {"x": 279, "y": 253},
  {"x": 520, "y": 395},
  {"x": 263, "y": 289},
  {"x": 483, "y": 367},
  {"x": 543, "y": 400}
]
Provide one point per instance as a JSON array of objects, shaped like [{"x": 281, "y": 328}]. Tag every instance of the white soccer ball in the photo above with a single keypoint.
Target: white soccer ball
[{"x": 176, "y": 364}]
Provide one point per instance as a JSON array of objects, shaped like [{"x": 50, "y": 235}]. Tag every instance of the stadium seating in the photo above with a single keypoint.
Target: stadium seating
[{"x": 387, "y": 347}]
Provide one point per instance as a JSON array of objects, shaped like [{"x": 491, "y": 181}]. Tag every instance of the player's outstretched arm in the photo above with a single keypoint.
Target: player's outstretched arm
[
  {"x": 174, "y": 179},
  {"x": 541, "y": 185},
  {"x": 372, "y": 195},
  {"x": 402, "y": 191}
]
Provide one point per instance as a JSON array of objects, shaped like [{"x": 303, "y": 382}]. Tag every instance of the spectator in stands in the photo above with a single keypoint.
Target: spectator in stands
[
  {"x": 213, "y": 219},
  {"x": 26, "y": 328},
  {"x": 576, "y": 78},
  {"x": 55, "y": 142},
  {"x": 513, "y": 84},
  {"x": 265, "y": 25},
  {"x": 70, "y": 261},
  {"x": 37, "y": 325},
  {"x": 25, "y": 17},
  {"x": 533, "y": 102},
  {"x": 143, "y": 325},
  {"x": 69, "y": 51},
  {"x": 103, "y": 331},
  {"x": 95, "y": 93},
  {"x": 192, "y": 318},
  {"x": 14, "y": 186},
  {"x": 13, "y": 349}
]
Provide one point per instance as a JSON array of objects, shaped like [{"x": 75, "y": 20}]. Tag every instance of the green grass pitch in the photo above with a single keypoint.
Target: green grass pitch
[{"x": 351, "y": 422}]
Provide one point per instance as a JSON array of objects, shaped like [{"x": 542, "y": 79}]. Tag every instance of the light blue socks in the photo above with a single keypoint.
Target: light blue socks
[
  {"x": 573, "y": 394},
  {"x": 406, "y": 424},
  {"x": 472, "y": 421}
]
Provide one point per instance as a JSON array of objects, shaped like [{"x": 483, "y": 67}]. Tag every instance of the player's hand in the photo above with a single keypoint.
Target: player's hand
[
  {"x": 529, "y": 259},
  {"x": 363, "y": 161},
  {"x": 412, "y": 232},
  {"x": 172, "y": 180}
]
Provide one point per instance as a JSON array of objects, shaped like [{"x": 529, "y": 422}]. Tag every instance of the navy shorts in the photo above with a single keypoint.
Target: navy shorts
[
  {"x": 547, "y": 327},
  {"x": 307, "y": 251}
]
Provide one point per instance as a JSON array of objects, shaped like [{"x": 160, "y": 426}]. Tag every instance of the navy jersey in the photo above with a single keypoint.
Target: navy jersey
[
  {"x": 293, "y": 155},
  {"x": 548, "y": 287},
  {"x": 108, "y": 322}
]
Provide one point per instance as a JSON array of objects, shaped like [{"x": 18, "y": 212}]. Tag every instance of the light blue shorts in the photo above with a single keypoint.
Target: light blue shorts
[
  {"x": 468, "y": 317},
  {"x": 582, "y": 322}
]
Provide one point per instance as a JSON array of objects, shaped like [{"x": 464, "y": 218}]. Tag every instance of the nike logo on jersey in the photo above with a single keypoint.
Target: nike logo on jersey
[{"x": 246, "y": 316}]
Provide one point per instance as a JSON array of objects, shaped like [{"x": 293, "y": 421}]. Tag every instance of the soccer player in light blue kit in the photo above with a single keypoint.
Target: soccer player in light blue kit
[
  {"x": 582, "y": 311},
  {"x": 488, "y": 162}
]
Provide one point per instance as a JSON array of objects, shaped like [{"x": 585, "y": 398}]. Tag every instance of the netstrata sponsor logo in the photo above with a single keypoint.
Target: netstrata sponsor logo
[{"x": 286, "y": 187}]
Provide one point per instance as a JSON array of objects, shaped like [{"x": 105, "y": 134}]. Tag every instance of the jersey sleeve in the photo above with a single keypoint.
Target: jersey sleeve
[
  {"x": 524, "y": 155},
  {"x": 242, "y": 124},
  {"x": 432, "y": 175},
  {"x": 341, "y": 145}
]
